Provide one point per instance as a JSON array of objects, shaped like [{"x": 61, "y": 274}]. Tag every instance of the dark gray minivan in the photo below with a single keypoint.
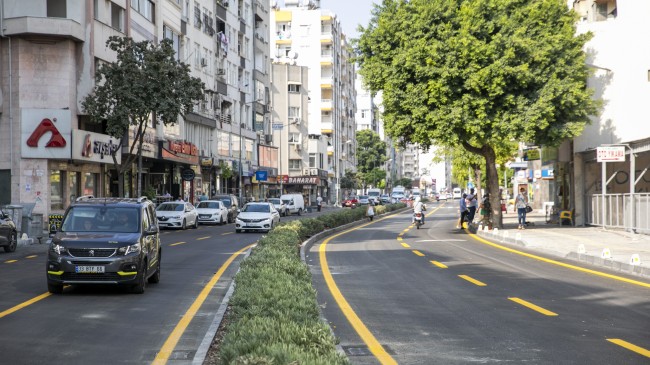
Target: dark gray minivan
[{"x": 110, "y": 241}]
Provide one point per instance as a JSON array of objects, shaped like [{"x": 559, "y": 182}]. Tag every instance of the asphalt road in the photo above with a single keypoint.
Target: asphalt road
[
  {"x": 108, "y": 325},
  {"x": 439, "y": 295}
]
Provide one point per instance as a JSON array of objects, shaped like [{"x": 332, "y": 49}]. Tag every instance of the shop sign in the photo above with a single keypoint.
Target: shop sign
[
  {"x": 303, "y": 180},
  {"x": 94, "y": 147},
  {"x": 531, "y": 154},
  {"x": 188, "y": 174},
  {"x": 177, "y": 151},
  {"x": 261, "y": 175},
  {"x": 46, "y": 133},
  {"x": 547, "y": 174},
  {"x": 148, "y": 142},
  {"x": 610, "y": 154},
  {"x": 207, "y": 162}
]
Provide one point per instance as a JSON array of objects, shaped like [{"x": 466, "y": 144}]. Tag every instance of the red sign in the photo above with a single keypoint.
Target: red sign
[
  {"x": 183, "y": 147},
  {"x": 46, "y": 125}
]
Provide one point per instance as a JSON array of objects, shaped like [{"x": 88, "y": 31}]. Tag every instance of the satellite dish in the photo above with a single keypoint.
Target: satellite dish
[{"x": 293, "y": 54}]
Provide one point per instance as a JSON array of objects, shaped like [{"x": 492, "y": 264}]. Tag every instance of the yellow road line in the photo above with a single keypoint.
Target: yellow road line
[
  {"x": 223, "y": 234},
  {"x": 31, "y": 256},
  {"x": 203, "y": 238},
  {"x": 629, "y": 346},
  {"x": 406, "y": 245},
  {"x": 558, "y": 263},
  {"x": 533, "y": 307},
  {"x": 177, "y": 243},
  {"x": 10, "y": 261},
  {"x": 439, "y": 264},
  {"x": 399, "y": 238},
  {"x": 418, "y": 253},
  {"x": 24, "y": 304},
  {"x": 472, "y": 280},
  {"x": 166, "y": 350},
  {"x": 373, "y": 345}
]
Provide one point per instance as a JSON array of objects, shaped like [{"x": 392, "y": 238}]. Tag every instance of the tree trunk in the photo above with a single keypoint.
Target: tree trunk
[{"x": 492, "y": 180}]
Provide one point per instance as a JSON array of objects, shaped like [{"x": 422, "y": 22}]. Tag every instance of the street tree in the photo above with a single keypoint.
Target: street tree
[
  {"x": 477, "y": 74},
  {"x": 144, "y": 86},
  {"x": 371, "y": 155}
]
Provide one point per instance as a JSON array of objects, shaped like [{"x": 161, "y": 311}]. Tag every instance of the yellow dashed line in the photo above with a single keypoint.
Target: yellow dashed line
[
  {"x": 223, "y": 234},
  {"x": 10, "y": 261},
  {"x": 439, "y": 264},
  {"x": 203, "y": 238},
  {"x": 629, "y": 346},
  {"x": 418, "y": 253},
  {"x": 31, "y": 256},
  {"x": 406, "y": 245},
  {"x": 472, "y": 280},
  {"x": 177, "y": 243},
  {"x": 533, "y": 307},
  {"x": 399, "y": 238}
]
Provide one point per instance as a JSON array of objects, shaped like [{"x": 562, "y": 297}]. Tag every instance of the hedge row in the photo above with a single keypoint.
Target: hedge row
[{"x": 274, "y": 317}]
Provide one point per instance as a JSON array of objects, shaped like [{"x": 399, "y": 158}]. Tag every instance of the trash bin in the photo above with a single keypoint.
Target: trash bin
[
  {"x": 36, "y": 227},
  {"x": 15, "y": 212}
]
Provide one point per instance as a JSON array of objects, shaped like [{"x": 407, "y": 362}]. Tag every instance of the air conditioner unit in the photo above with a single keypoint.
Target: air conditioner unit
[
  {"x": 298, "y": 147},
  {"x": 221, "y": 71},
  {"x": 268, "y": 138},
  {"x": 204, "y": 62},
  {"x": 305, "y": 171}
]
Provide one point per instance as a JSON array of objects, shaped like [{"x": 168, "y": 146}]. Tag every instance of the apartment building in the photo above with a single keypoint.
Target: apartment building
[
  {"x": 304, "y": 34},
  {"x": 49, "y": 52}
]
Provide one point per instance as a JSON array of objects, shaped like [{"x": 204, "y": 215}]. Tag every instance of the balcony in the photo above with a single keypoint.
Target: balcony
[
  {"x": 326, "y": 104},
  {"x": 51, "y": 27},
  {"x": 326, "y": 128}
]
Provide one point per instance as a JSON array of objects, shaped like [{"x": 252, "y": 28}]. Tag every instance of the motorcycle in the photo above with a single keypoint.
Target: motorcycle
[{"x": 418, "y": 220}]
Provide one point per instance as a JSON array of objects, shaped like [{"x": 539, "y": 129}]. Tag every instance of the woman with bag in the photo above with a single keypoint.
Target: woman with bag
[
  {"x": 370, "y": 212},
  {"x": 521, "y": 202}
]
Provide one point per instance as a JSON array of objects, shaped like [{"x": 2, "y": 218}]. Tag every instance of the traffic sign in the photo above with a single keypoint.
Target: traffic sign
[{"x": 278, "y": 126}]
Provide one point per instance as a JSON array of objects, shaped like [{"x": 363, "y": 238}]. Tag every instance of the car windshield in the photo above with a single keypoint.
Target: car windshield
[
  {"x": 209, "y": 205},
  {"x": 171, "y": 207},
  {"x": 226, "y": 201},
  {"x": 101, "y": 219},
  {"x": 286, "y": 201},
  {"x": 256, "y": 208},
  {"x": 275, "y": 201},
  {"x": 362, "y": 197}
]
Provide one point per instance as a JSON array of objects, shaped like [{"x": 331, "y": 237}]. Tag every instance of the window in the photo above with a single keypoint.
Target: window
[
  {"x": 169, "y": 33},
  {"x": 117, "y": 17},
  {"x": 295, "y": 164},
  {"x": 56, "y": 190},
  {"x": 90, "y": 184},
  {"x": 294, "y": 112},
  {"x": 312, "y": 160},
  {"x": 293, "y": 88},
  {"x": 197, "y": 15},
  {"x": 294, "y": 137},
  {"x": 145, "y": 8},
  {"x": 56, "y": 9},
  {"x": 364, "y": 113}
]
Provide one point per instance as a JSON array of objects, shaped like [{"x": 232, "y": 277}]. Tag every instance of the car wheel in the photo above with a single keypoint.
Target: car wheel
[
  {"x": 221, "y": 220},
  {"x": 184, "y": 225},
  {"x": 300, "y": 211},
  {"x": 196, "y": 223},
  {"x": 238, "y": 231},
  {"x": 155, "y": 278},
  {"x": 13, "y": 242},
  {"x": 142, "y": 281},
  {"x": 55, "y": 288}
]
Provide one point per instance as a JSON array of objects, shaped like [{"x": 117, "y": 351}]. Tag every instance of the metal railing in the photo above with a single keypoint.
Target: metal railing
[{"x": 618, "y": 213}]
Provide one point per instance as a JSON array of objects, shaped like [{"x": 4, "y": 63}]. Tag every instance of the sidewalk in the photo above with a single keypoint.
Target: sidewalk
[{"x": 612, "y": 249}]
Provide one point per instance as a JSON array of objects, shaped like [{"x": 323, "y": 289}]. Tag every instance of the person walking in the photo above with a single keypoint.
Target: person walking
[
  {"x": 319, "y": 202},
  {"x": 521, "y": 202},
  {"x": 472, "y": 204},
  {"x": 463, "y": 211},
  {"x": 370, "y": 211}
]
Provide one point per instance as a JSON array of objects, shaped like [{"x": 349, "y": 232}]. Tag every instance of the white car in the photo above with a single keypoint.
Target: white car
[
  {"x": 279, "y": 206},
  {"x": 177, "y": 214},
  {"x": 212, "y": 212},
  {"x": 257, "y": 216}
]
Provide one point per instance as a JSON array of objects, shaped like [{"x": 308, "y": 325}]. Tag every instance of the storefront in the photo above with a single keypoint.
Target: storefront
[
  {"x": 182, "y": 171},
  {"x": 308, "y": 186}
]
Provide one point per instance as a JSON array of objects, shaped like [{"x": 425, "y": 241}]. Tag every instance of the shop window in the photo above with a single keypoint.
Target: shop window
[
  {"x": 90, "y": 184},
  {"x": 56, "y": 190},
  {"x": 73, "y": 185}
]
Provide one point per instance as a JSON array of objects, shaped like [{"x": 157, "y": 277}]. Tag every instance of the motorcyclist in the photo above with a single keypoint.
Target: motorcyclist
[{"x": 418, "y": 207}]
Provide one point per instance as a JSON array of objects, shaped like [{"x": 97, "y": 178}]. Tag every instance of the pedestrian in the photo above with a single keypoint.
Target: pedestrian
[
  {"x": 472, "y": 203},
  {"x": 370, "y": 211},
  {"x": 486, "y": 209},
  {"x": 319, "y": 202},
  {"x": 521, "y": 202},
  {"x": 463, "y": 211}
]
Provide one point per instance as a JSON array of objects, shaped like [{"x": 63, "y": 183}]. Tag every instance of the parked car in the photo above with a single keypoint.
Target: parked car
[
  {"x": 177, "y": 214},
  {"x": 110, "y": 241},
  {"x": 257, "y": 216},
  {"x": 8, "y": 233},
  {"x": 212, "y": 212},
  {"x": 232, "y": 204},
  {"x": 279, "y": 206},
  {"x": 384, "y": 198},
  {"x": 364, "y": 200},
  {"x": 350, "y": 202}
]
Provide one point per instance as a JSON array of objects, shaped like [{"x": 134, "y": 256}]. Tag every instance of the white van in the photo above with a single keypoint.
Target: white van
[
  {"x": 374, "y": 194},
  {"x": 456, "y": 193},
  {"x": 295, "y": 203}
]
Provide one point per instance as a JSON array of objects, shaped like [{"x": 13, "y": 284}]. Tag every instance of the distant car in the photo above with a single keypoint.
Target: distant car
[
  {"x": 350, "y": 202},
  {"x": 8, "y": 233},
  {"x": 385, "y": 198},
  {"x": 442, "y": 196},
  {"x": 232, "y": 204},
  {"x": 257, "y": 216},
  {"x": 177, "y": 214},
  {"x": 279, "y": 206},
  {"x": 212, "y": 211},
  {"x": 364, "y": 200}
]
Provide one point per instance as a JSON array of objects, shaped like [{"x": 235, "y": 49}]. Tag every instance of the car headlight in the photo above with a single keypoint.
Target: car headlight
[
  {"x": 176, "y": 217},
  {"x": 58, "y": 249},
  {"x": 135, "y": 248}
]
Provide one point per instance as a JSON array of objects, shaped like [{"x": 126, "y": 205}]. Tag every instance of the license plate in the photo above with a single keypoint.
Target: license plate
[{"x": 89, "y": 269}]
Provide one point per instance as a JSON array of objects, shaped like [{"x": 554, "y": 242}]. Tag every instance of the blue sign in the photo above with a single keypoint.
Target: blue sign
[
  {"x": 261, "y": 175},
  {"x": 470, "y": 185}
]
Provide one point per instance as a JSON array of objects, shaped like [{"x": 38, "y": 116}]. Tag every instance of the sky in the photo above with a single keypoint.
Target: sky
[{"x": 350, "y": 13}]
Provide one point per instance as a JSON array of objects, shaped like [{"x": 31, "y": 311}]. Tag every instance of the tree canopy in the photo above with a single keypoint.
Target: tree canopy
[
  {"x": 145, "y": 82},
  {"x": 371, "y": 155},
  {"x": 477, "y": 73}
]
